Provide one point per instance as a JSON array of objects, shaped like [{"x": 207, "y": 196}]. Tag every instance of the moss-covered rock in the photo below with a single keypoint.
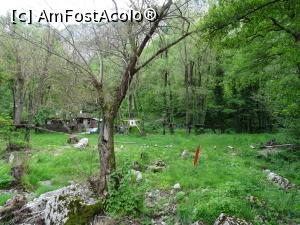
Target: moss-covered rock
[
  {"x": 73, "y": 205},
  {"x": 81, "y": 214}
]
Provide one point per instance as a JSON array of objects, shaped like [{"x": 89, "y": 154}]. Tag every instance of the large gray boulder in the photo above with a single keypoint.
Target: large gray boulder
[
  {"x": 279, "y": 180},
  {"x": 74, "y": 204}
]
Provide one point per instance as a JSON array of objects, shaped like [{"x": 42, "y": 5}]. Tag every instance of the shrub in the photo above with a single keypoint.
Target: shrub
[
  {"x": 5, "y": 178},
  {"x": 125, "y": 196}
]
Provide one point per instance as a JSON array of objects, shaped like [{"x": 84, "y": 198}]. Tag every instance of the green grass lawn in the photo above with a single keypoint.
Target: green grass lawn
[{"x": 221, "y": 182}]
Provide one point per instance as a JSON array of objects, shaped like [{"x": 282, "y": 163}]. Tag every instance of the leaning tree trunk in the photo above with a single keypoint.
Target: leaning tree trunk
[{"x": 106, "y": 153}]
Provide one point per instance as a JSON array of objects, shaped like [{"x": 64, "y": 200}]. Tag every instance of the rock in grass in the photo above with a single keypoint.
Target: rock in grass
[
  {"x": 74, "y": 204},
  {"x": 279, "y": 180},
  {"x": 46, "y": 182},
  {"x": 137, "y": 166},
  {"x": 11, "y": 207},
  {"x": 156, "y": 169},
  {"x": 160, "y": 163},
  {"x": 198, "y": 223},
  {"x": 227, "y": 220},
  {"x": 138, "y": 175},
  {"x": 177, "y": 186},
  {"x": 104, "y": 220},
  {"x": 82, "y": 143},
  {"x": 185, "y": 154},
  {"x": 158, "y": 166}
]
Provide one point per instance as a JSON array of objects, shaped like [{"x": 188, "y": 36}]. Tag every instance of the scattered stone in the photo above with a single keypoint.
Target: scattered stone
[
  {"x": 198, "y": 223},
  {"x": 163, "y": 204},
  {"x": 138, "y": 175},
  {"x": 137, "y": 166},
  {"x": 122, "y": 147},
  {"x": 82, "y": 143},
  {"x": 104, "y": 220},
  {"x": 11, "y": 206},
  {"x": 215, "y": 147},
  {"x": 227, "y": 220},
  {"x": 46, "y": 182},
  {"x": 260, "y": 219},
  {"x": 11, "y": 158},
  {"x": 255, "y": 201},
  {"x": 230, "y": 147},
  {"x": 185, "y": 154},
  {"x": 251, "y": 199},
  {"x": 65, "y": 205},
  {"x": 160, "y": 163},
  {"x": 251, "y": 146},
  {"x": 158, "y": 166},
  {"x": 177, "y": 186},
  {"x": 268, "y": 152},
  {"x": 153, "y": 194},
  {"x": 155, "y": 145},
  {"x": 279, "y": 180},
  {"x": 73, "y": 139}
]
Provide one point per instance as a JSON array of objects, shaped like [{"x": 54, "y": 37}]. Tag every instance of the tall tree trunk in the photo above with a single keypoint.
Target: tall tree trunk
[
  {"x": 30, "y": 117},
  {"x": 30, "y": 108},
  {"x": 13, "y": 91},
  {"x": 171, "y": 125},
  {"x": 20, "y": 91},
  {"x": 106, "y": 152},
  {"x": 19, "y": 101},
  {"x": 130, "y": 106},
  {"x": 165, "y": 120},
  {"x": 187, "y": 98}
]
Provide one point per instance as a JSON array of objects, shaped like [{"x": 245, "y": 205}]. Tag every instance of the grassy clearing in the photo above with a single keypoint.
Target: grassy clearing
[{"x": 221, "y": 183}]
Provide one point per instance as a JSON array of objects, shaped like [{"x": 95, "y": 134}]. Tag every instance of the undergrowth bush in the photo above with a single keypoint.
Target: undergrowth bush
[
  {"x": 125, "y": 196},
  {"x": 5, "y": 177}
]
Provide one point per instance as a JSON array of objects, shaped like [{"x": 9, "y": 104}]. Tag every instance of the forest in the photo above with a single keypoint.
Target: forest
[{"x": 190, "y": 118}]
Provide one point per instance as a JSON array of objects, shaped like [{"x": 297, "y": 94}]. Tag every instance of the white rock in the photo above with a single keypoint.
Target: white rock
[
  {"x": 227, "y": 220},
  {"x": 198, "y": 223},
  {"x": 184, "y": 154},
  {"x": 177, "y": 186},
  {"x": 230, "y": 147},
  {"x": 138, "y": 175},
  {"x": 279, "y": 180},
  {"x": 11, "y": 158},
  {"x": 54, "y": 207},
  {"x": 46, "y": 182},
  {"x": 82, "y": 143}
]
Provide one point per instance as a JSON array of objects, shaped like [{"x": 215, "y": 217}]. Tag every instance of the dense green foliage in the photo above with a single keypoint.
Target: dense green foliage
[{"x": 238, "y": 73}]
